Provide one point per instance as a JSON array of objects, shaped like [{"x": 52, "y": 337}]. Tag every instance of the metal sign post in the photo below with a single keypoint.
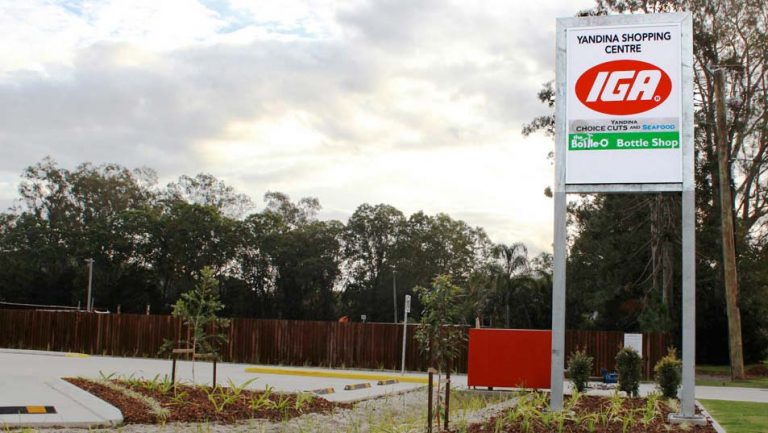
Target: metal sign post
[
  {"x": 624, "y": 124},
  {"x": 89, "y": 301},
  {"x": 405, "y": 329}
]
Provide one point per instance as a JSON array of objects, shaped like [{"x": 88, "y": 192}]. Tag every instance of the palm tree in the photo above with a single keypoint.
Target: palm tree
[
  {"x": 510, "y": 269},
  {"x": 513, "y": 258}
]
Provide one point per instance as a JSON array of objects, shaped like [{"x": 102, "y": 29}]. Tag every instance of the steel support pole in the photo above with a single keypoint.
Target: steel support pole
[
  {"x": 405, "y": 333},
  {"x": 214, "y": 373},
  {"x": 688, "y": 392},
  {"x": 89, "y": 302},
  {"x": 558, "y": 303},
  {"x": 559, "y": 247},
  {"x": 430, "y": 388},
  {"x": 173, "y": 371}
]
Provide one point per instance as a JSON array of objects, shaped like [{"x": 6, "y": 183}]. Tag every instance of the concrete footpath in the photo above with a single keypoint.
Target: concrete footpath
[
  {"x": 756, "y": 395},
  {"x": 30, "y": 381},
  {"x": 32, "y": 378},
  {"x": 48, "y": 402},
  {"x": 54, "y": 364}
]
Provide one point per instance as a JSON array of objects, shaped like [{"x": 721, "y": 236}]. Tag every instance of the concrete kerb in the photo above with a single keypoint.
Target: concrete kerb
[
  {"x": 75, "y": 408},
  {"x": 385, "y": 396},
  {"x": 45, "y": 353},
  {"x": 336, "y": 374},
  {"x": 110, "y": 415},
  {"x": 393, "y": 384},
  {"x": 356, "y": 386}
]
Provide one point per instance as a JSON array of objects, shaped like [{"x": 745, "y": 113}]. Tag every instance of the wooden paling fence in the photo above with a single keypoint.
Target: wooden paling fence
[
  {"x": 603, "y": 345},
  {"x": 287, "y": 342}
]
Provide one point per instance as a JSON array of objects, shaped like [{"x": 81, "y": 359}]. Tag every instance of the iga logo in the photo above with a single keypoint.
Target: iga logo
[{"x": 623, "y": 87}]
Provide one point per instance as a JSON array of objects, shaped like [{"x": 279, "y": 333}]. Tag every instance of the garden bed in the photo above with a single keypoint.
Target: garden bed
[
  {"x": 156, "y": 401},
  {"x": 588, "y": 414}
]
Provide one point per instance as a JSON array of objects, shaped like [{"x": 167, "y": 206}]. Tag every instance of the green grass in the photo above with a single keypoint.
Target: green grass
[
  {"x": 719, "y": 375},
  {"x": 714, "y": 369},
  {"x": 738, "y": 416}
]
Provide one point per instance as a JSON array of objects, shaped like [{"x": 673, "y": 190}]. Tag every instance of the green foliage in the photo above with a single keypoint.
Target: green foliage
[
  {"x": 236, "y": 389},
  {"x": 263, "y": 401},
  {"x": 283, "y": 403},
  {"x": 156, "y": 384},
  {"x": 219, "y": 398},
  {"x": 383, "y": 248},
  {"x": 629, "y": 368},
  {"x": 655, "y": 317},
  {"x": 651, "y": 409},
  {"x": 198, "y": 309},
  {"x": 515, "y": 292},
  {"x": 668, "y": 374},
  {"x": 579, "y": 369},
  {"x": 437, "y": 335},
  {"x": 303, "y": 399},
  {"x": 531, "y": 413},
  {"x": 149, "y": 242}
]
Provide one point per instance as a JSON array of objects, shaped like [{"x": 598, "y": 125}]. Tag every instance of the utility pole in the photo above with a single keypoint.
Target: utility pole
[
  {"x": 394, "y": 289},
  {"x": 405, "y": 330},
  {"x": 730, "y": 276},
  {"x": 89, "y": 301}
]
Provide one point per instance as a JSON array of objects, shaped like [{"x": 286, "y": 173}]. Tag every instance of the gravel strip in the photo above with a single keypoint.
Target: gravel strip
[{"x": 402, "y": 413}]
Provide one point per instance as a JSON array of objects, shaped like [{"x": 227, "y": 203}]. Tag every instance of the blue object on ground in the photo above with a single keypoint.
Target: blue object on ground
[{"x": 609, "y": 377}]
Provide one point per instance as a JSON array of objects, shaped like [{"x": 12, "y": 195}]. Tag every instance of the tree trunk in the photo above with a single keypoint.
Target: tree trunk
[
  {"x": 727, "y": 231},
  {"x": 667, "y": 274},
  {"x": 662, "y": 272},
  {"x": 506, "y": 305},
  {"x": 655, "y": 205}
]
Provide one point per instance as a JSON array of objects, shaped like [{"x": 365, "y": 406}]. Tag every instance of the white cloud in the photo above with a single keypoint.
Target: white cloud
[
  {"x": 35, "y": 33},
  {"x": 415, "y": 104},
  {"x": 150, "y": 24},
  {"x": 304, "y": 18}
]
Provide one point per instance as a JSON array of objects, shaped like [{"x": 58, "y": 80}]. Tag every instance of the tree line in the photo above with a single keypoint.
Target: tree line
[{"x": 150, "y": 243}]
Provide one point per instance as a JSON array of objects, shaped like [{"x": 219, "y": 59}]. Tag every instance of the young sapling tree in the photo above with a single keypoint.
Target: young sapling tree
[{"x": 198, "y": 310}]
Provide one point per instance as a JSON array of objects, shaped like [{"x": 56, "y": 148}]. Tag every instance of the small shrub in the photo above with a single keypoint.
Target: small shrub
[
  {"x": 669, "y": 374},
  {"x": 628, "y": 365},
  {"x": 579, "y": 368},
  {"x": 441, "y": 308},
  {"x": 198, "y": 308}
]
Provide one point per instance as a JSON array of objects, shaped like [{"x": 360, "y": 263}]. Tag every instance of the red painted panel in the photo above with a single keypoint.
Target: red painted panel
[{"x": 509, "y": 358}]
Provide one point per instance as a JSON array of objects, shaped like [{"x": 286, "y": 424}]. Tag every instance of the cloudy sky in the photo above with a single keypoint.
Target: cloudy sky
[{"x": 417, "y": 104}]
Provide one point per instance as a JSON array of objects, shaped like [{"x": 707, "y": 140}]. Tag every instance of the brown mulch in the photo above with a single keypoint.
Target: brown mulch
[
  {"x": 134, "y": 411},
  {"x": 758, "y": 371},
  {"x": 192, "y": 404},
  {"x": 595, "y": 404}
]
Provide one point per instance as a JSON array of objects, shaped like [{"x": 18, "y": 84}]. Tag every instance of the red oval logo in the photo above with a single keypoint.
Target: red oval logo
[{"x": 623, "y": 87}]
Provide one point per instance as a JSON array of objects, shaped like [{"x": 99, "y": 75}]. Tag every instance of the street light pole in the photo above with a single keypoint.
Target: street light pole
[
  {"x": 394, "y": 289},
  {"x": 89, "y": 302},
  {"x": 407, "y": 310}
]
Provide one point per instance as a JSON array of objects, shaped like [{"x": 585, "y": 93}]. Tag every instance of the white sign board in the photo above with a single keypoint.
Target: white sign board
[
  {"x": 407, "y": 303},
  {"x": 623, "y": 104},
  {"x": 624, "y": 124},
  {"x": 634, "y": 341}
]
